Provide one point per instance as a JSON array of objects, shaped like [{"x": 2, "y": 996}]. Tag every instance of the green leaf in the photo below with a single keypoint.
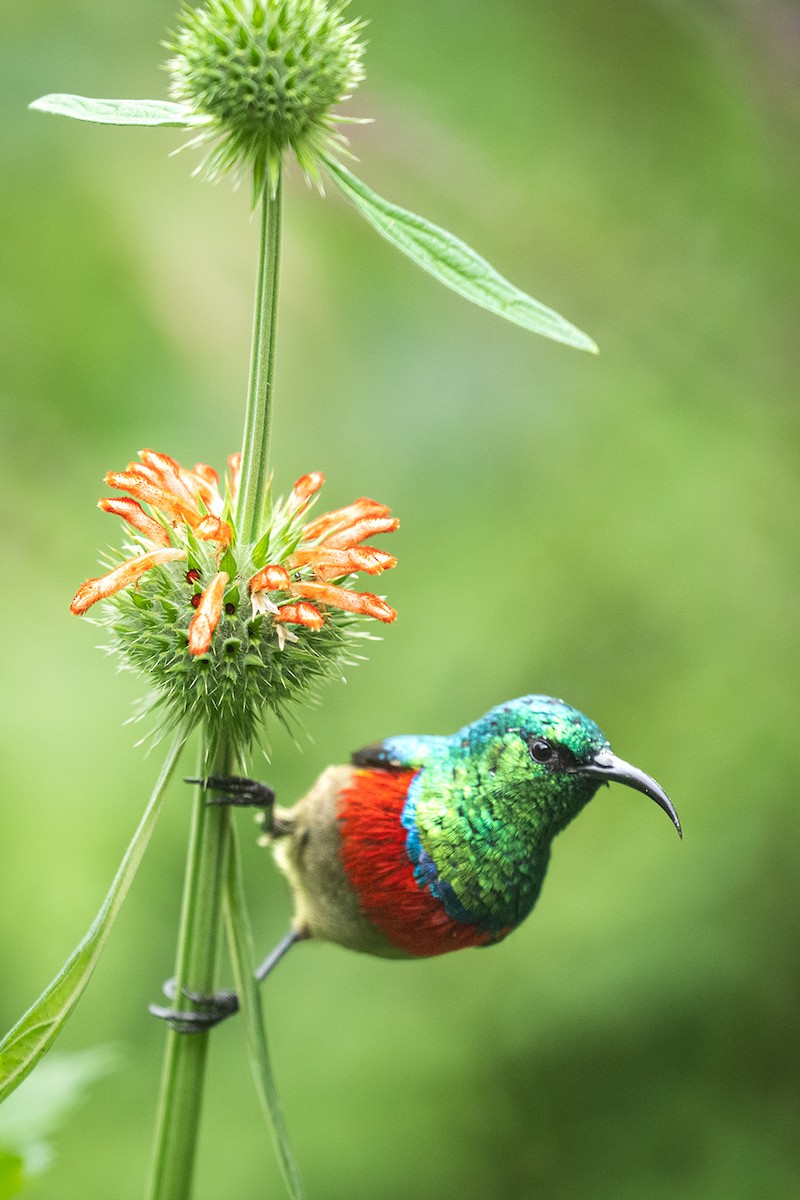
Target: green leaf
[
  {"x": 260, "y": 551},
  {"x": 228, "y": 563},
  {"x": 118, "y": 112},
  {"x": 454, "y": 264},
  {"x": 35, "y": 1032},
  {"x": 241, "y": 950}
]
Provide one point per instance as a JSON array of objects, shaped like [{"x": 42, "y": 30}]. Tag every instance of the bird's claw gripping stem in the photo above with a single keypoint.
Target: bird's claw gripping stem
[
  {"x": 213, "y": 1009},
  {"x": 237, "y": 791},
  {"x": 210, "y": 1009}
]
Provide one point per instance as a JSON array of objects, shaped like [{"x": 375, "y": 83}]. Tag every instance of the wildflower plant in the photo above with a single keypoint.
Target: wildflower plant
[
  {"x": 227, "y": 631},
  {"x": 234, "y": 605}
]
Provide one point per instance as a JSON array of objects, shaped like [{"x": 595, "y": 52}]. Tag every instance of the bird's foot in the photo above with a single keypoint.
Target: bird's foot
[
  {"x": 237, "y": 791},
  {"x": 208, "y": 1012}
]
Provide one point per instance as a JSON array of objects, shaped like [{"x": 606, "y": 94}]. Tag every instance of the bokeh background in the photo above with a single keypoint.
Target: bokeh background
[{"x": 621, "y": 531}]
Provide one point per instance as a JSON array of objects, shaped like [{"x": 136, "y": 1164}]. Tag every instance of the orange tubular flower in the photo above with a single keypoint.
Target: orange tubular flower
[
  {"x": 234, "y": 470},
  {"x": 328, "y": 549},
  {"x": 357, "y": 602},
  {"x": 123, "y": 575},
  {"x": 331, "y": 564},
  {"x": 359, "y": 531},
  {"x": 207, "y": 615},
  {"x": 132, "y": 512},
  {"x": 300, "y": 614},
  {"x": 272, "y": 578},
  {"x": 181, "y": 498},
  {"x": 211, "y": 529},
  {"x": 344, "y": 518},
  {"x": 306, "y": 487}
]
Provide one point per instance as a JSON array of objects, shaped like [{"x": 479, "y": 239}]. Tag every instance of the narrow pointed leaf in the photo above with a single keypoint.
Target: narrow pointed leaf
[
  {"x": 241, "y": 950},
  {"x": 117, "y": 112},
  {"x": 36, "y": 1031},
  {"x": 454, "y": 264}
]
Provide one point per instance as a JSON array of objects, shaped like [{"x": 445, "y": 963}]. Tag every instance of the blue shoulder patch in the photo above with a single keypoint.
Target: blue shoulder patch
[{"x": 405, "y": 753}]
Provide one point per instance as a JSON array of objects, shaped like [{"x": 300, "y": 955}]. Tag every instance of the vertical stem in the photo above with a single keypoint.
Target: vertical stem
[
  {"x": 185, "y": 1058},
  {"x": 240, "y": 942},
  {"x": 254, "y": 480}
]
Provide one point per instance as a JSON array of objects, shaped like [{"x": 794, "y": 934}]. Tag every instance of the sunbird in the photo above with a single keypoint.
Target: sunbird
[{"x": 426, "y": 844}]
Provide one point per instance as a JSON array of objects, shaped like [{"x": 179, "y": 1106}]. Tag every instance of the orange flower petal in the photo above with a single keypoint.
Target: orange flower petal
[
  {"x": 211, "y": 529},
  {"x": 207, "y": 615},
  {"x": 340, "y": 518},
  {"x": 143, "y": 489},
  {"x": 234, "y": 467},
  {"x": 98, "y": 589},
  {"x": 132, "y": 512},
  {"x": 272, "y": 578},
  {"x": 162, "y": 463},
  {"x": 207, "y": 473},
  {"x": 300, "y": 614},
  {"x": 172, "y": 475},
  {"x": 306, "y": 487},
  {"x": 360, "y": 531},
  {"x": 331, "y": 563},
  {"x": 205, "y": 481},
  {"x": 145, "y": 472},
  {"x": 356, "y": 602}
]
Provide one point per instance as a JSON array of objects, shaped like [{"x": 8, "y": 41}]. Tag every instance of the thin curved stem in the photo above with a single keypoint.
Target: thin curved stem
[
  {"x": 240, "y": 941},
  {"x": 35, "y": 1032},
  {"x": 253, "y": 501}
]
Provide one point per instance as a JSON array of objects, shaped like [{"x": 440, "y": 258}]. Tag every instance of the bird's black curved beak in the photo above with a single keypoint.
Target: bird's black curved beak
[{"x": 608, "y": 767}]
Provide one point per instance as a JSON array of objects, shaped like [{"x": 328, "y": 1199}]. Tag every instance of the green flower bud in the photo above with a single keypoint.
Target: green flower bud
[{"x": 265, "y": 74}]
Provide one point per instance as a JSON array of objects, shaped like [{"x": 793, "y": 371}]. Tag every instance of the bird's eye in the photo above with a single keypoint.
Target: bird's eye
[{"x": 541, "y": 750}]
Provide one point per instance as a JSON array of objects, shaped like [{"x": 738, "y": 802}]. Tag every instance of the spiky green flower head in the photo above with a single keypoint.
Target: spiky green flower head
[
  {"x": 227, "y": 631},
  {"x": 266, "y": 74}
]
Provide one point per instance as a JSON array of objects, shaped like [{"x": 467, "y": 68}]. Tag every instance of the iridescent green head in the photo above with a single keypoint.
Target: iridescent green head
[
  {"x": 544, "y": 718},
  {"x": 556, "y": 754}
]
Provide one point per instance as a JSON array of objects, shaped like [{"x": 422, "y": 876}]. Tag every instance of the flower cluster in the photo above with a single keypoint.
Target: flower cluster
[{"x": 226, "y": 630}]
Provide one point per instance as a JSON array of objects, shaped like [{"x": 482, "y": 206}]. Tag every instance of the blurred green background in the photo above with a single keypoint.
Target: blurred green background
[{"x": 621, "y": 531}]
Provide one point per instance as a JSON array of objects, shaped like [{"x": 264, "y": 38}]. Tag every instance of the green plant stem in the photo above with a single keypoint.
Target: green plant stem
[
  {"x": 207, "y": 862},
  {"x": 195, "y": 971},
  {"x": 253, "y": 501},
  {"x": 240, "y": 942}
]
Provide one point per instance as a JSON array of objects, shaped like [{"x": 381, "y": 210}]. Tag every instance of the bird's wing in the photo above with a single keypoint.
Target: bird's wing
[{"x": 396, "y": 753}]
